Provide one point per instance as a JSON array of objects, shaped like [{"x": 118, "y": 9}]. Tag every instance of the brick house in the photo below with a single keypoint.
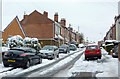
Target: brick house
[
  {"x": 112, "y": 32},
  {"x": 37, "y": 25},
  {"x": 14, "y": 28},
  {"x": 43, "y": 28}
]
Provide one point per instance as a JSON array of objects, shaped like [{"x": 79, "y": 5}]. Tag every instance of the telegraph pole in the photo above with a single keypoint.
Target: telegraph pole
[
  {"x": 0, "y": 31},
  {"x": 78, "y": 29}
]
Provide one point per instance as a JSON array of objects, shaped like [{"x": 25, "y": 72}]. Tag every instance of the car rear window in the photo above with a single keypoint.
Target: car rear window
[
  {"x": 16, "y": 51},
  {"x": 92, "y": 47},
  {"x": 71, "y": 46},
  {"x": 63, "y": 46}
]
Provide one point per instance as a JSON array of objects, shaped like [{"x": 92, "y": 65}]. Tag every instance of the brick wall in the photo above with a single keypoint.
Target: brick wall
[
  {"x": 40, "y": 31},
  {"x": 12, "y": 29}
]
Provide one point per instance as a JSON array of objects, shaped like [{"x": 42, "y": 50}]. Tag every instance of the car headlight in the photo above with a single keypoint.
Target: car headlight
[
  {"x": 49, "y": 54},
  {"x": 64, "y": 49}
]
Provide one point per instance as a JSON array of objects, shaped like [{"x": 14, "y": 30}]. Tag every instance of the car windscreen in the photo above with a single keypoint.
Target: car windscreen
[
  {"x": 47, "y": 48},
  {"x": 63, "y": 46},
  {"x": 92, "y": 47},
  {"x": 116, "y": 49}
]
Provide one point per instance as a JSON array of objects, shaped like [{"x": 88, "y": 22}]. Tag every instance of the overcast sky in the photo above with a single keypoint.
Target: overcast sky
[{"x": 94, "y": 17}]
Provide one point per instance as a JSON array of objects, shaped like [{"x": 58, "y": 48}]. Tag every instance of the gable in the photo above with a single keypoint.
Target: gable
[
  {"x": 36, "y": 18},
  {"x": 14, "y": 28}
]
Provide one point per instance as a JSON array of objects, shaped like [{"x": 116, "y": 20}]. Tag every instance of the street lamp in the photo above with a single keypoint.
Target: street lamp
[{"x": 69, "y": 33}]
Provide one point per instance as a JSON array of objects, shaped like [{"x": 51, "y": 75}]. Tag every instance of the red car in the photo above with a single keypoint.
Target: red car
[{"x": 92, "y": 51}]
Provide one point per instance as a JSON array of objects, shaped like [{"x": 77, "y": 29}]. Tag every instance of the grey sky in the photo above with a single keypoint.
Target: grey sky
[{"x": 94, "y": 17}]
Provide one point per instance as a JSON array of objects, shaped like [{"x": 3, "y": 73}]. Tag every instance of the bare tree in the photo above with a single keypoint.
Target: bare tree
[{"x": 81, "y": 37}]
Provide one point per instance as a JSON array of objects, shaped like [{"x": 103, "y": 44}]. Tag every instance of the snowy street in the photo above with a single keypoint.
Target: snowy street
[
  {"x": 104, "y": 67},
  {"x": 32, "y": 68}
]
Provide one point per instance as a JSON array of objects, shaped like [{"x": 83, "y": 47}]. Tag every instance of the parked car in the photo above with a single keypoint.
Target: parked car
[
  {"x": 86, "y": 45},
  {"x": 92, "y": 51},
  {"x": 49, "y": 52},
  {"x": 73, "y": 47},
  {"x": 115, "y": 54},
  {"x": 4, "y": 49},
  {"x": 64, "y": 49},
  {"x": 81, "y": 45},
  {"x": 23, "y": 56}
]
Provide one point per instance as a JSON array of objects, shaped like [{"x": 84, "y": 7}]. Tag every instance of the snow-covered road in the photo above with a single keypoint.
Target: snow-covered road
[
  {"x": 104, "y": 67},
  {"x": 20, "y": 70}
]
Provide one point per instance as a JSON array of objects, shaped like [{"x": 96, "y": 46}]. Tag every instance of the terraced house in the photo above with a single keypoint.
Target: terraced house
[{"x": 37, "y": 25}]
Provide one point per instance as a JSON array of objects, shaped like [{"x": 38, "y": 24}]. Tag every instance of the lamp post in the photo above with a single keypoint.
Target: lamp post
[{"x": 69, "y": 34}]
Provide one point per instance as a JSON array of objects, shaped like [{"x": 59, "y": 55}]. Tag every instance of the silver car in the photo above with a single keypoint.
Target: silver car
[
  {"x": 64, "y": 49},
  {"x": 49, "y": 52}
]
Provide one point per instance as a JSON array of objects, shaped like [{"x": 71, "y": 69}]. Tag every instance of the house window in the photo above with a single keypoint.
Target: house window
[{"x": 57, "y": 29}]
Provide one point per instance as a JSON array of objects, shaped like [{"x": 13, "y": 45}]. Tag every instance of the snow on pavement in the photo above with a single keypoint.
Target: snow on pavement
[{"x": 104, "y": 67}]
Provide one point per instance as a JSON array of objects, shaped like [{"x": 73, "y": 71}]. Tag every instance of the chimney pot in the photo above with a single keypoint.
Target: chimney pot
[
  {"x": 56, "y": 17},
  {"x": 63, "y": 21}
]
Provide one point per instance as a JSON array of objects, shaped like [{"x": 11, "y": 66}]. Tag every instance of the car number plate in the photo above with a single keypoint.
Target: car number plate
[
  {"x": 11, "y": 60},
  {"x": 92, "y": 51}
]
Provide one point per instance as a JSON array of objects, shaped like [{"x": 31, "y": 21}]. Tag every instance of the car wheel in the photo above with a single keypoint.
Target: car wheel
[
  {"x": 6, "y": 65},
  {"x": 58, "y": 56},
  {"x": 66, "y": 52},
  {"x": 99, "y": 57},
  {"x": 27, "y": 64},
  {"x": 40, "y": 61},
  {"x": 85, "y": 58},
  {"x": 51, "y": 58}
]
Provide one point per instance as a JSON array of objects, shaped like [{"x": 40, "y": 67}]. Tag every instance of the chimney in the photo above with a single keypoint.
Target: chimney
[
  {"x": 56, "y": 17},
  {"x": 63, "y": 22},
  {"x": 71, "y": 28},
  {"x": 25, "y": 16},
  {"x": 45, "y": 13}
]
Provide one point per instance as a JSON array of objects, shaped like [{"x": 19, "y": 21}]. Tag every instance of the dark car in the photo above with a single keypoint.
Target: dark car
[
  {"x": 64, "y": 49},
  {"x": 92, "y": 51},
  {"x": 73, "y": 47},
  {"x": 115, "y": 54},
  {"x": 23, "y": 57}
]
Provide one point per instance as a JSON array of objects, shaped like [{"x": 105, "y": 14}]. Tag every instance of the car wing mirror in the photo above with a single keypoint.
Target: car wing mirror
[{"x": 37, "y": 52}]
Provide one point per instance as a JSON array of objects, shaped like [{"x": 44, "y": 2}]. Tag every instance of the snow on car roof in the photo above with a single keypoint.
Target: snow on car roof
[
  {"x": 22, "y": 48},
  {"x": 92, "y": 44},
  {"x": 111, "y": 41}
]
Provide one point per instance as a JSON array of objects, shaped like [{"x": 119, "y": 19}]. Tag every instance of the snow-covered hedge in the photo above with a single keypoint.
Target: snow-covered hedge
[
  {"x": 18, "y": 41},
  {"x": 15, "y": 41},
  {"x": 32, "y": 42}
]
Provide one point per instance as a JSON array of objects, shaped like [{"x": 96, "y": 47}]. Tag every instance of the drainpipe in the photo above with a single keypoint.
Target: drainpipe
[
  {"x": 53, "y": 32},
  {"x": 119, "y": 51},
  {"x": 119, "y": 59}
]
